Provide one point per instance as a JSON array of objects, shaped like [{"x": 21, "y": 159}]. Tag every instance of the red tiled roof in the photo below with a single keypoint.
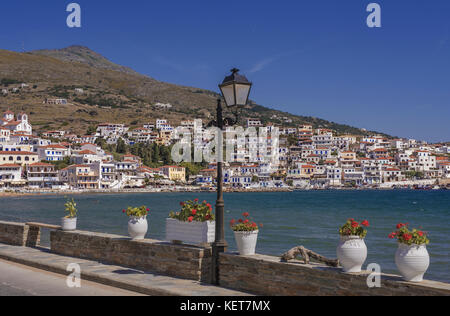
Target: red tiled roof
[
  {"x": 54, "y": 146},
  {"x": 11, "y": 165},
  {"x": 17, "y": 153}
]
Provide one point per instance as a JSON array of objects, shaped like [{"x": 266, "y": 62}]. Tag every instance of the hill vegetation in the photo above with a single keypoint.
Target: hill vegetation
[{"x": 112, "y": 93}]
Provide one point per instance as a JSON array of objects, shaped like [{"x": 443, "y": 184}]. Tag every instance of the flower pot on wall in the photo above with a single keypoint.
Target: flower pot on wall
[
  {"x": 246, "y": 242},
  {"x": 69, "y": 224},
  {"x": 352, "y": 253},
  {"x": 412, "y": 261},
  {"x": 137, "y": 227},
  {"x": 190, "y": 232}
]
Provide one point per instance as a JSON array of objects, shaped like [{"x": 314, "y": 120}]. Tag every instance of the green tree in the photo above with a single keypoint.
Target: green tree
[{"x": 121, "y": 146}]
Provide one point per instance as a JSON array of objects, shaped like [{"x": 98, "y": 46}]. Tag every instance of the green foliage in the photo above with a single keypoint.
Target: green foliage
[
  {"x": 193, "y": 211},
  {"x": 121, "y": 147},
  {"x": 91, "y": 130},
  {"x": 71, "y": 208},
  {"x": 7, "y": 81},
  {"x": 141, "y": 211},
  {"x": 244, "y": 225},
  {"x": 353, "y": 228},
  {"x": 409, "y": 237}
]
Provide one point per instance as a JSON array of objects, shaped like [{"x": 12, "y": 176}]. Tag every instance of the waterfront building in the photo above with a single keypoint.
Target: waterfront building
[
  {"x": 174, "y": 173},
  {"x": 43, "y": 175},
  {"x": 18, "y": 157},
  {"x": 11, "y": 176}
]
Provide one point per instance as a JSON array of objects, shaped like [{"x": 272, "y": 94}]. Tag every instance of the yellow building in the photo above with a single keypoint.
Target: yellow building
[
  {"x": 22, "y": 158},
  {"x": 174, "y": 173}
]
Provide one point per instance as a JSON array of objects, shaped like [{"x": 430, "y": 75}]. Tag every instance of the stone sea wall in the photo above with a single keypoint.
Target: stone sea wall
[
  {"x": 266, "y": 275},
  {"x": 182, "y": 261},
  {"x": 259, "y": 274},
  {"x": 19, "y": 234}
]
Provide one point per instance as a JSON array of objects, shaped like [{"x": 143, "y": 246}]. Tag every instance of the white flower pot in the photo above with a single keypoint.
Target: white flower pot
[
  {"x": 246, "y": 242},
  {"x": 352, "y": 253},
  {"x": 69, "y": 224},
  {"x": 137, "y": 227},
  {"x": 412, "y": 261},
  {"x": 190, "y": 232}
]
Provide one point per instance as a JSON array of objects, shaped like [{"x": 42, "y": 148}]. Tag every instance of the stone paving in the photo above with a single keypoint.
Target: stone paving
[{"x": 113, "y": 275}]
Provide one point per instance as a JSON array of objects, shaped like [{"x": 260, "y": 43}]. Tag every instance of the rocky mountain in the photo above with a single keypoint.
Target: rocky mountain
[{"x": 111, "y": 93}]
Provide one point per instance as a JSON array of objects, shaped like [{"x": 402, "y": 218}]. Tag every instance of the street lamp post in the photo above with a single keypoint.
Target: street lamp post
[{"x": 235, "y": 91}]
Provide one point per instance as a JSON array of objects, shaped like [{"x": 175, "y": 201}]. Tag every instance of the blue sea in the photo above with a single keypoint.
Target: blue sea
[{"x": 308, "y": 218}]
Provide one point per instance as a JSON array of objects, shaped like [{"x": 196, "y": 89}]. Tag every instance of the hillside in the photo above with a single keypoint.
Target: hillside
[{"x": 112, "y": 93}]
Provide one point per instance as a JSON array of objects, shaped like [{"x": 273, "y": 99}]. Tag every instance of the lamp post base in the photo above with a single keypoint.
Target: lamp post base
[{"x": 217, "y": 248}]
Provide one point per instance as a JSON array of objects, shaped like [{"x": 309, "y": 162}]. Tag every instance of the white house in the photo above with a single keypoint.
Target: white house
[
  {"x": 19, "y": 125},
  {"x": 54, "y": 152}
]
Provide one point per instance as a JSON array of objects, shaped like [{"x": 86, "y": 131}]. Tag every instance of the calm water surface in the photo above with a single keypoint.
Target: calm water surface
[{"x": 309, "y": 218}]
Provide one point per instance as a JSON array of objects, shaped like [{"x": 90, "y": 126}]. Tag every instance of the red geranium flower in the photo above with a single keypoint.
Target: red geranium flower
[
  {"x": 196, "y": 200},
  {"x": 240, "y": 220},
  {"x": 355, "y": 224},
  {"x": 400, "y": 225},
  {"x": 246, "y": 221},
  {"x": 407, "y": 237},
  {"x": 420, "y": 234},
  {"x": 190, "y": 219},
  {"x": 365, "y": 223},
  {"x": 246, "y": 214},
  {"x": 148, "y": 210},
  {"x": 194, "y": 212}
]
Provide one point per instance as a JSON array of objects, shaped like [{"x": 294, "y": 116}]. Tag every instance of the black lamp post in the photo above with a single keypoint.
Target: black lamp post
[{"x": 235, "y": 91}]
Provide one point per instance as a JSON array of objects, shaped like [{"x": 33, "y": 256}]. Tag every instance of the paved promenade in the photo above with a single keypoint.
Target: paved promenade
[
  {"x": 15, "y": 279},
  {"x": 21, "y": 280}
]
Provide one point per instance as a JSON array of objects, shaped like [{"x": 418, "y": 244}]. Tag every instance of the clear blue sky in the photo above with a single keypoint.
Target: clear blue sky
[{"x": 315, "y": 58}]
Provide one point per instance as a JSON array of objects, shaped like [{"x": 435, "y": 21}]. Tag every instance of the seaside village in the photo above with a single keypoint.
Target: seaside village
[{"x": 308, "y": 158}]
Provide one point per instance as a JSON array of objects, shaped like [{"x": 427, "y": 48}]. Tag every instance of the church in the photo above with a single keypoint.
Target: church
[{"x": 16, "y": 126}]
